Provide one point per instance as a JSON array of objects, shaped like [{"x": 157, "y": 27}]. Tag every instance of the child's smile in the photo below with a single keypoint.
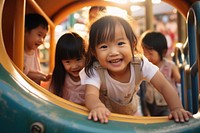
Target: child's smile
[
  {"x": 116, "y": 62},
  {"x": 115, "y": 55}
]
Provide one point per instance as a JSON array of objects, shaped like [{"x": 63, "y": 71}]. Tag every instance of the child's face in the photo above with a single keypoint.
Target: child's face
[
  {"x": 115, "y": 55},
  {"x": 73, "y": 67},
  {"x": 35, "y": 38},
  {"x": 151, "y": 55}
]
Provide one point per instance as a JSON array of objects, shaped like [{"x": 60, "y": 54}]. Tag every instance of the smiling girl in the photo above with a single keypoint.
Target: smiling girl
[
  {"x": 69, "y": 61},
  {"x": 110, "y": 74}
]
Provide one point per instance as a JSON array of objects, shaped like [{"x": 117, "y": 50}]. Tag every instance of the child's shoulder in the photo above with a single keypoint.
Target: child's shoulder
[
  {"x": 168, "y": 62},
  {"x": 97, "y": 66},
  {"x": 137, "y": 59}
]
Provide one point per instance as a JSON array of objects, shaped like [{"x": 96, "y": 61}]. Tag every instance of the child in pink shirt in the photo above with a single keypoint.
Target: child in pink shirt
[
  {"x": 36, "y": 28},
  {"x": 155, "y": 48},
  {"x": 69, "y": 61}
]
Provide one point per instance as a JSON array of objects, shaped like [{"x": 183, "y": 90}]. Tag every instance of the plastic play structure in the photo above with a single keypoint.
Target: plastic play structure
[{"x": 26, "y": 107}]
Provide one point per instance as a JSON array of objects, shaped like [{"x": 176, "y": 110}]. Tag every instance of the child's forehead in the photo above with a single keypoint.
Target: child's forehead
[
  {"x": 41, "y": 29},
  {"x": 112, "y": 33},
  {"x": 118, "y": 32}
]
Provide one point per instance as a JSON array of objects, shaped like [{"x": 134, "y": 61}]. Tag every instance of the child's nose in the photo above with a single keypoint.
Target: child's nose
[
  {"x": 74, "y": 65},
  {"x": 41, "y": 40},
  {"x": 113, "y": 51}
]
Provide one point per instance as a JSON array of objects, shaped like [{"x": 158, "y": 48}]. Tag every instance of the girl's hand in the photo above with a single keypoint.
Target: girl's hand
[
  {"x": 38, "y": 76},
  {"x": 180, "y": 115},
  {"x": 43, "y": 77},
  {"x": 47, "y": 77},
  {"x": 99, "y": 113}
]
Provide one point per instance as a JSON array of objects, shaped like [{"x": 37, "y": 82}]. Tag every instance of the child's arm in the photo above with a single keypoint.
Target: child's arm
[
  {"x": 165, "y": 88},
  {"x": 98, "y": 111},
  {"x": 38, "y": 76}
]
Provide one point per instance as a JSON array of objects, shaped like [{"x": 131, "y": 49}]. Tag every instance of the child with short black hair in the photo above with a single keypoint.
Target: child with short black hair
[
  {"x": 155, "y": 48},
  {"x": 36, "y": 28}
]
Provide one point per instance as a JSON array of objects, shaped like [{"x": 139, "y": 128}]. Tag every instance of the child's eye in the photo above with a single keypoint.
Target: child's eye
[
  {"x": 67, "y": 61},
  {"x": 78, "y": 59},
  {"x": 120, "y": 43},
  {"x": 103, "y": 46},
  {"x": 39, "y": 35},
  {"x": 42, "y": 35}
]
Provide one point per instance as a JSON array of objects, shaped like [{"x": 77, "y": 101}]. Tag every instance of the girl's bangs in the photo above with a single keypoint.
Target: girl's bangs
[
  {"x": 106, "y": 33},
  {"x": 73, "y": 53}
]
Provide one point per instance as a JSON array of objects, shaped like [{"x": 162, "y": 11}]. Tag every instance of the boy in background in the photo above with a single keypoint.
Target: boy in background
[{"x": 36, "y": 28}]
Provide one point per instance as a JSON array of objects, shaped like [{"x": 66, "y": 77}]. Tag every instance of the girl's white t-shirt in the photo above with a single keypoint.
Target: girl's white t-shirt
[{"x": 116, "y": 90}]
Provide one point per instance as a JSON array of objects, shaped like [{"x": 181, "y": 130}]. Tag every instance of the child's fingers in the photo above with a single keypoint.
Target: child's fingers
[
  {"x": 93, "y": 115},
  {"x": 49, "y": 76},
  {"x": 187, "y": 115},
  {"x": 180, "y": 116},
  {"x": 101, "y": 116},
  {"x": 40, "y": 76},
  {"x": 44, "y": 77},
  {"x": 175, "y": 116},
  {"x": 89, "y": 116},
  {"x": 106, "y": 115}
]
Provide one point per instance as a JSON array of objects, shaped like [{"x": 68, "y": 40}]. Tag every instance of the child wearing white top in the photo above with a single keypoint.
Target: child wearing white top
[{"x": 111, "y": 49}]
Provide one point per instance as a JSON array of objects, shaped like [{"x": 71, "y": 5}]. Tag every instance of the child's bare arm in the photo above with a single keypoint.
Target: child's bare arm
[
  {"x": 98, "y": 111},
  {"x": 38, "y": 76},
  {"x": 165, "y": 88}
]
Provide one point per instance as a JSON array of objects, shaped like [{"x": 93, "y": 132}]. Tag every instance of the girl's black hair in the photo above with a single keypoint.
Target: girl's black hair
[
  {"x": 155, "y": 41},
  {"x": 69, "y": 46},
  {"x": 103, "y": 30},
  {"x": 33, "y": 20}
]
